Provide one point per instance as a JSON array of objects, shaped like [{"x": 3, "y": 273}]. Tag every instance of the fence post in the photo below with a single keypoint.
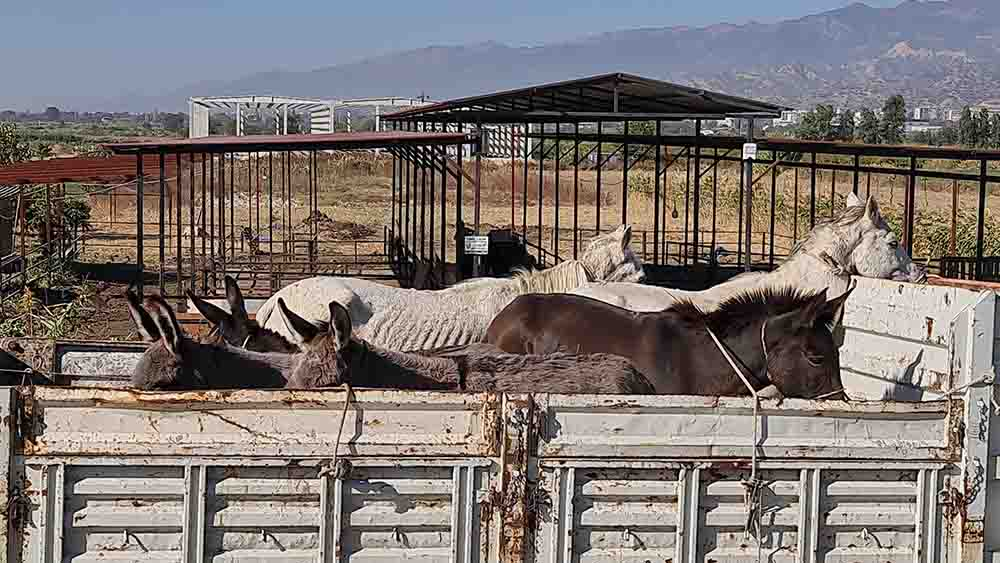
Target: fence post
[
  {"x": 981, "y": 219},
  {"x": 8, "y": 492}
]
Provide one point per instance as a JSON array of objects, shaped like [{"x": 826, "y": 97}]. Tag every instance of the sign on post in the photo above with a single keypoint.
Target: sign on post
[
  {"x": 749, "y": 151},
  {"x": 477, "y": 245}
]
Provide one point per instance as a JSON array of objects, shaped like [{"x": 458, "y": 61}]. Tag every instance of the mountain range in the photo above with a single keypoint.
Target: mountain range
[{"x": 931, "y": 52}]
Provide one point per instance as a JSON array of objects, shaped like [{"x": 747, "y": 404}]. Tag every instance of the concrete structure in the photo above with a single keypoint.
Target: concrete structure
[
  {"x": 790, "y": 118},
  {"x": 322, "y": 113}
]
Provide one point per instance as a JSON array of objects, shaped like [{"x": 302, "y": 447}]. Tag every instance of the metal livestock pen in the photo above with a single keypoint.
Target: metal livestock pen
[
  {"x": 592, "y": 153},
  {"x": 96, "y": 474}
]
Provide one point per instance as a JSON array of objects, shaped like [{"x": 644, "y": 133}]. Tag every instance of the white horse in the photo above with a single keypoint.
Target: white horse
[
  {"x": 411, "y": 319},
  {"x": 858, "y": 241}
]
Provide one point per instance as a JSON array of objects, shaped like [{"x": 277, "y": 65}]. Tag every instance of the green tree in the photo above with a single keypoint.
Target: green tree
[
  {"x": 967, "y": 128},
  {"x": 893, "y": 120},
  {"x": 12, "y": 147},
  {"x": 982, "y": 124},
  {"x": 817, "y": 125},
  {"x": 868, "y": 128},
  {"x": 845, "y": 130},
  {"x": 995, "y": 131}
]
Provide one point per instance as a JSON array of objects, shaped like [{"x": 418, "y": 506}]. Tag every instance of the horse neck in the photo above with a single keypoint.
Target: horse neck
[
  {"x": 227, "y": 367},
  {"x": 806, "y": 272},
  {"x": 372, "y": 366}
]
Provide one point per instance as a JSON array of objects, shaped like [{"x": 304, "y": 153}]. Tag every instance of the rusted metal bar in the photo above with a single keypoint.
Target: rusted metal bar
[
  {"x": 952, "y": 238},
  {"x": 910, "y": 206},
  {"x": 162, "y": 218},
  {"x": 981, "y": 217},
  {"x": 576, "y": 190},
  {"x": 600, "y": 165},
  {"x": 541, "y": 184},
  {"x": 697, "y": 189},
  {"x": 138, "y": 225},
  {"x": 657, "y": 160},
  {"x": 625, "y": 167}
]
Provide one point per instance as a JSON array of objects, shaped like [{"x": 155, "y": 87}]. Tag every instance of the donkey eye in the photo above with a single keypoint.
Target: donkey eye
[{"x": 813, "y": 359}]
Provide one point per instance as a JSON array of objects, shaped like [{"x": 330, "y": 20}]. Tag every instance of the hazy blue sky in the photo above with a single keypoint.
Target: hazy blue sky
[{"x": 53, "y": 51}]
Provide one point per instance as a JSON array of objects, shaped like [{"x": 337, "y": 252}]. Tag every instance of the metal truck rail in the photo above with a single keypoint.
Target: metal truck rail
[{"x": 98, "y": 474}]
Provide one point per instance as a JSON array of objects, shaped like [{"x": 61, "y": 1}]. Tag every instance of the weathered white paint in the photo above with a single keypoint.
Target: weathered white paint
[
  {"x": 245, "y": 475},
  {"x": 899, "y": 340}
]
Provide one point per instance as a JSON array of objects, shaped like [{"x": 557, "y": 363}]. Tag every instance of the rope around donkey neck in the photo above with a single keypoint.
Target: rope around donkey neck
[{"x": 754, "y": 487}]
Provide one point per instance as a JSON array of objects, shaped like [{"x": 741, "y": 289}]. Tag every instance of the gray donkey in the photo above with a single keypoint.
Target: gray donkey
[
  {"x": 332, "y": 357},
  {"x": 174, "y": 361},
  {"x": 236, "y": 327}
]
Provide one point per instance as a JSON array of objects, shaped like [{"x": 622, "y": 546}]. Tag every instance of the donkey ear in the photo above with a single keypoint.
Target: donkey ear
[
  {"x": 170, "y": 329},
  {"x": 340, "y": 323},
  {"x": 143, "y": 321},
  {"x": 212, "y": 314},
  {"x": 302, "y": 330},
  {"x": 235, "y": 298},
  {"x": 872, "y": 211},
  {"x": 831, "y": 311},
  {"x": 804, "y": 316},
  {"x": 626, "y": 236},
  {"x": 853, "y": 200}
]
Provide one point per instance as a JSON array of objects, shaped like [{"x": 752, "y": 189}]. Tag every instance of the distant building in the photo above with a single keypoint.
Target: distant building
[
  {"x": 991, "y": 107},
  {"x": 790, "y": 118},
  {"x": 926, "y": 113},
  {"x": 952, "y": 115},
  {"x": 920, "y": 127}
]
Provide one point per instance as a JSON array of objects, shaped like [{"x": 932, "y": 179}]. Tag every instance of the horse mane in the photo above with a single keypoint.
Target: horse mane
[
  {"x": 561, "y": 278},
  {"x": 743, "y": 308},
  {"x": 848, "y": 217}
]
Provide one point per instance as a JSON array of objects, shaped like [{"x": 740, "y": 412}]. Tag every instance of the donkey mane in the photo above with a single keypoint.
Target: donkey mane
[{"x": 742, "y": 308}]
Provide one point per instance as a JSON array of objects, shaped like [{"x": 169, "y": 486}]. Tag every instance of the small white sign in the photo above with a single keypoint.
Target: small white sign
[
  {"x": 478, "y": 245},
  {"x": 749, "y": 151}
]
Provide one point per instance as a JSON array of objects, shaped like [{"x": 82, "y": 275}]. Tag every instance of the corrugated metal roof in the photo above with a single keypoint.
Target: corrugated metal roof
[
  {"x": 602, "y": 95},
  {"x": 306, "y": 142},
  {"x": 110, "y": 170}
]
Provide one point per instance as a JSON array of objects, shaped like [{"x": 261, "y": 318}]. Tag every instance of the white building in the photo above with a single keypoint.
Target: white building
[
  {"x": 920, "y": 127},
  {"x": 926, "y": 113},
  {"x": 790, "y": 118}
]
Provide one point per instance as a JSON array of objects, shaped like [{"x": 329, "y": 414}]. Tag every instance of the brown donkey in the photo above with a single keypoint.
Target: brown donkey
[
  {"x": 333, "y": 358},
  {"x": 780, "y": 337}
]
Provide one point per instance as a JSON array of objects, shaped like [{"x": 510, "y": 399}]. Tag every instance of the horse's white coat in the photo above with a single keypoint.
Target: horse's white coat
[
  {"x": 411, "y": 319},
  {"x": 858, "y": 241}
]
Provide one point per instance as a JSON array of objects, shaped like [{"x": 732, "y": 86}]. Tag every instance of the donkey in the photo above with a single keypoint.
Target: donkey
[
  {"x": 780, "y": 336},
  {"x": 333, "y": 357},
  {"x": 175, "y": 362},
  {"x": 236, "y": 328}
]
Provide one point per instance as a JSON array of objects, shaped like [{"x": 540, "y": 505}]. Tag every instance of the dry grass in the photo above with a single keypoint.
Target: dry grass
[{"x": 355, "y": 195}]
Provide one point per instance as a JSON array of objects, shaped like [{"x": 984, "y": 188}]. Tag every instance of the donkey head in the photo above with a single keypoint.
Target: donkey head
[
  {"x": 801, "y": 353},
  {"x": 162, "y": 366},
  {"x": 609, "y": 258},
  {"x": 325, "y": 347},
  {"x": 236, "y": 327}
]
